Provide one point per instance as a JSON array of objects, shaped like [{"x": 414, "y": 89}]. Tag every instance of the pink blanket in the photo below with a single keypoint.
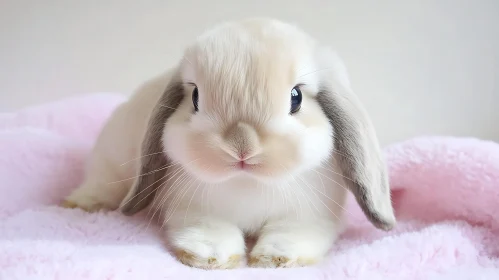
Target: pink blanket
[{"x": 445, "y": 191}]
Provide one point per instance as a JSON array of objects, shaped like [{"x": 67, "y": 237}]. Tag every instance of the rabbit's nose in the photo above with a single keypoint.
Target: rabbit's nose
[
  {"x": 243, "y": 137},
  {"x": 242, "y": 142}
]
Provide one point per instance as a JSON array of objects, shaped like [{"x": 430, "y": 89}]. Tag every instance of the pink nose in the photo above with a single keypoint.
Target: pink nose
[{"x": 242, "y": 157}]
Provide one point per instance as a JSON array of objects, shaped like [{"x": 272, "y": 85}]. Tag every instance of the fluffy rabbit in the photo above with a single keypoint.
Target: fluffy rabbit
[{"x": 256, "y": 132}]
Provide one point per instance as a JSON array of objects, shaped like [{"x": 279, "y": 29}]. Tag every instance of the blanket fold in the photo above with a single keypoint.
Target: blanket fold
[{"x": 445, "y": 192}]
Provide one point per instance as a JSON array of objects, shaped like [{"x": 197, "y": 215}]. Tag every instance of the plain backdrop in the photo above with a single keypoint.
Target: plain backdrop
[{"x": 421, "y": 67}]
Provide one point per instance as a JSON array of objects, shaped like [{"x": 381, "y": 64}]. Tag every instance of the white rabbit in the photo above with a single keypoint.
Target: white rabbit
[{"x": 256, "y": 132}]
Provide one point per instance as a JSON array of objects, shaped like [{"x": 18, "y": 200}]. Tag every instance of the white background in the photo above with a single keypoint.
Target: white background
[{"x": 421, "y": 67}]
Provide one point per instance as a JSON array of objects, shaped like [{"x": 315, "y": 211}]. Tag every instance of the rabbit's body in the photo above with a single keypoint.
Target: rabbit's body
[
  {"x": 114, "y": 161},
  {"x": 249, "y": 135},
  {"x": 243, "y": 203}
]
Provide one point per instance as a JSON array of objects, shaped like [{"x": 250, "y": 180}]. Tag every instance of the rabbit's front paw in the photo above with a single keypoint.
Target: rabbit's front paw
[
  {"x": 292, "y": 244},
  {"x": 209, "y": 245},
  {"x": 88, "y": 199},
  {"x": 280, "y": 255}
]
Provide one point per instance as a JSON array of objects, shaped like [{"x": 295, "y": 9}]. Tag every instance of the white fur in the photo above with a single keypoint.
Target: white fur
[{"x": 206, "y": 207}]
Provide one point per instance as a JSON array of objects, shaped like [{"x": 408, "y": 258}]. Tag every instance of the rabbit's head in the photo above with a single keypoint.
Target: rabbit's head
[{"x": 261, "y": 99}]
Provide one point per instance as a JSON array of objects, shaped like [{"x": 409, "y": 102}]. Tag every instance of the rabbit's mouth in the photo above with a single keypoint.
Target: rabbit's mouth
[{"x": 246, "y": 166}]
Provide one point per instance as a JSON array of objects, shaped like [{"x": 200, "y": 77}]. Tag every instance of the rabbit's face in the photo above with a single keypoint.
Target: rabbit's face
[{"x": 250, "y": 105}]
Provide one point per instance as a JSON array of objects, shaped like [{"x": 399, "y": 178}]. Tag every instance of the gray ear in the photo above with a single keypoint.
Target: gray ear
[
  {"x": 359, "y": 154},
  {"x": 153, "y": 168}
]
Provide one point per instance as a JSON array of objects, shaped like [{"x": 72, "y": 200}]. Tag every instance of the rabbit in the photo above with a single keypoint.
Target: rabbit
[{"x": 256, "y": 132}]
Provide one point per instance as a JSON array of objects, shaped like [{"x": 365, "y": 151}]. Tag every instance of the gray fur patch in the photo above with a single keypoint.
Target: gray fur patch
[
  {"x": 359, "y": 158},
  {"x": 146, "y": 185}
]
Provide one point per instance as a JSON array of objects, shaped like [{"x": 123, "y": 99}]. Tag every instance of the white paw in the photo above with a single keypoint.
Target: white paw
[
  {"x": 209, "y": 245},
  {"x": 291, "y": 246},
  {"x": 281, "y": 253}
]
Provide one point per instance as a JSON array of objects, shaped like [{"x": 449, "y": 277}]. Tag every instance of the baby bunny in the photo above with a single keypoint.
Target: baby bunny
[{"x": 256, "y": 132}]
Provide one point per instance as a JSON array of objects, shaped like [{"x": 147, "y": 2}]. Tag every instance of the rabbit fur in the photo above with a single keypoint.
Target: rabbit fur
[{"x": 211, "y": 148}]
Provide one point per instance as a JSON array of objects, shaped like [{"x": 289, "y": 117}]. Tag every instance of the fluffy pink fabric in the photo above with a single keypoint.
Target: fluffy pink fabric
[{"x": 445, "y": 190}]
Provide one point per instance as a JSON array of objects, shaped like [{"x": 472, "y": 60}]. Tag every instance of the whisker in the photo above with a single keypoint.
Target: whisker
[
  {"x": 178, "y": 203},
  {"x": 307, "y": 197},
  {"x": 147, "y": 173},
  {"x": 159, "y": 204},
  {"x": 322, "y": 183},
  {"x": 339, "y": 205},
  {"x": 152, "y": 206},
  {"x": 128, "y": 201},
  {"x": 294, "y": 191},
  {"x": 310, "y": 202},
  {"x": 177, "y": 184},
  {"x": 212, "y": 186},
  {"x": 175, "y": 187},
  {"x": 147, "y": 194},
  {"x": 298, "y": 198},
  {"x": 286, "y": 198},
  {"x": 190, "y": 201},
  {"x": 157, "y": 207},
  {"x": 315, "y": 71},
  {"x": 163, "y": 199},
  {"x": 177, "y": 172},
  {"x": 331, "y": 179},
  {"x": 332, "y": 169},
  {"x": 141, "y": 157},
  {"x": 203, "y": 193},
  {"x": 320, "y": 200}
]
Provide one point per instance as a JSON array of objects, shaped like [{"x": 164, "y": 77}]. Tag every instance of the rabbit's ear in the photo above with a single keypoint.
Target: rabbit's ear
[
  {"x": 153, "y": 165},
  {"x": 358, "y": 151}
]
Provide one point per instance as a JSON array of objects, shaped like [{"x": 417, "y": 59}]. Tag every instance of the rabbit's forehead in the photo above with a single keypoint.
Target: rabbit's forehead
[
  {"x": 263, "y": 59},
  {"x": 249, "y": 73}
]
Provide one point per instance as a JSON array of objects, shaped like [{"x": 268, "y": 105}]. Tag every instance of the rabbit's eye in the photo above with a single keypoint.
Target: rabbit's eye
[
  {"x": 295, "y": 100},
  {"x": 195, "y": 98}
]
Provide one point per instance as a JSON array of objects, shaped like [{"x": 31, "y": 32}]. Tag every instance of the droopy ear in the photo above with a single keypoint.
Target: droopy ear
[
  {"x": 359, "y": 154},
  {"x": 153, "y": 165}
]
